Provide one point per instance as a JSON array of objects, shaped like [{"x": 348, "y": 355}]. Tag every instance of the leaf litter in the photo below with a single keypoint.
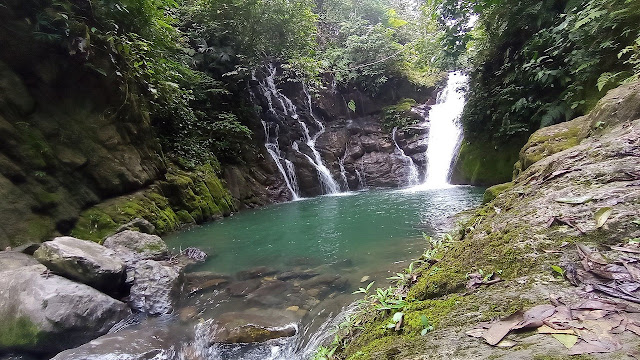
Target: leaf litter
[{"x": 592, "y": 325}]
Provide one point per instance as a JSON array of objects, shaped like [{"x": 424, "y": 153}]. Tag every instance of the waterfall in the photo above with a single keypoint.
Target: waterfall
[
  {"x": 329, "y": 185},
  {"x": 445, "y": 131},
  {"x": 273, "y": 95},
  {"x": 343, "y": 171},
  {"x": 288, "y": 171},
  {"x": 413, "y": 176},
  {"x": 269, "y": 91}
]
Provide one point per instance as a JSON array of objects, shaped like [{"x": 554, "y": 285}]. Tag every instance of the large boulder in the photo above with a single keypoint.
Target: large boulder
[
  {"x": 128, "y": 344},
  {"x": 156, "y": 287},
  {"x": 83, "y": 261},
  {"x": 46, "y": 313}
]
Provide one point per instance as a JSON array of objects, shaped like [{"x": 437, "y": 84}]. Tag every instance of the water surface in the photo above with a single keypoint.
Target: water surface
[{"x": 350, "y": 236}]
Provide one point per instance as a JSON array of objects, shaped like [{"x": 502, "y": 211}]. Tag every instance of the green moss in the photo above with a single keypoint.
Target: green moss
[
  {"x": 399, "y": 115},
  {"x": 434, "y": 310},
  {"x": 19, "y": 332},
  {"x": 483, "y": 163},
  {"x": 184, "y": 198},
  {"x": 493, "y": 192}
]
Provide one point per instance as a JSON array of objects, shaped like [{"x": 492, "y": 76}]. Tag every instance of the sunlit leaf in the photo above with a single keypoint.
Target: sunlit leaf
[{"x": 602, "y": 215}]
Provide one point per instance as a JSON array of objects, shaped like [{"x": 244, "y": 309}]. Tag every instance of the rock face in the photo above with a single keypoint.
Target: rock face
[
  {"x": 83, "y": 261},
  {"x": 155, "y": 287},
  {"x": 353, "y": 145},
  {"x": 46, "y": 313}
]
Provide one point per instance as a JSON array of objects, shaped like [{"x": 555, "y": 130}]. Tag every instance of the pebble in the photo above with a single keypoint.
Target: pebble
[{"x": 365, "y": 278}]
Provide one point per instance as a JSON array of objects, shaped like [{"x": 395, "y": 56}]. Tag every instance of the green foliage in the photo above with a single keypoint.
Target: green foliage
[
  {"x": 399, "y": 115},
  {"x": 536, "y": 63},
  {"x": 245, "y": 32}
]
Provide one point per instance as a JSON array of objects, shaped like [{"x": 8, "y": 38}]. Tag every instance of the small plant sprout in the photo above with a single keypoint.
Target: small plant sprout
[
  {"x": 558, "y": 270},
  {"x": 426, "y": 325},
  {"x": 364, "y": 291},
  {"x": 396, "y": 321}
]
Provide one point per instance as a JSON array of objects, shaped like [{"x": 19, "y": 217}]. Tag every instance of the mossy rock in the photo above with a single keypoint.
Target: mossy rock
[
  {"x": 551, "y": 140},
  {"x": 493, "y": 192},
  {"x": 185, "y": 197},
  {"x": 400, "y": 115},
  {"x": 483, "y": 163}
]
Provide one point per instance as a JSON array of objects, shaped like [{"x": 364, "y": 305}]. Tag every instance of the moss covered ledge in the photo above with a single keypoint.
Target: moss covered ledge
[{"x": 183, "y": 197}]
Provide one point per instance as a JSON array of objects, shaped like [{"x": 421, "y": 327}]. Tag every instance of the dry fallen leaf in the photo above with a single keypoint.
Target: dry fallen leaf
[
  {"x": 500, "y": 329},
  {"x": 602, "y": 215}
]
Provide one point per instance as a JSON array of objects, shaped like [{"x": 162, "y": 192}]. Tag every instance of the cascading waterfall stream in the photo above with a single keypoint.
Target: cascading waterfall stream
[
  {"x": 413, "y": 176},
  {"x": 329, "y": 185},
  {"x": 287, "y": 170},
  {"x": 445, "y": 131},
  {"x": 271, "y": 93}
]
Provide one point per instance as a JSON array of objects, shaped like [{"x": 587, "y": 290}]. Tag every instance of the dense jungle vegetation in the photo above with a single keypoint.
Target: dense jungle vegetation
[{"x": 532, "y": 63}]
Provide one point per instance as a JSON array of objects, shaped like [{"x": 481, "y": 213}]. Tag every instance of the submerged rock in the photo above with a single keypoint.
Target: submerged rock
[
  {"x": 155, "y": 287},
  {"x": 83, "y": 261},
  {"x": 270, "y": 293},
  {"x": 231, "y": 328},
  {"x": 256, "y": 272},
  {"x": 46, "y": 313},
  {"x": 243, "y": 288}
]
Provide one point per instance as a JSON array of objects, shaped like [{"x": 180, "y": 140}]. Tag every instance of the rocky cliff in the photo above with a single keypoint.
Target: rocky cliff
[{"x": 344, "y": 127}]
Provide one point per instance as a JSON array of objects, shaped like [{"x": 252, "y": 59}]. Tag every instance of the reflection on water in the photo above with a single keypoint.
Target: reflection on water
[{"x": 298, "y": 263}]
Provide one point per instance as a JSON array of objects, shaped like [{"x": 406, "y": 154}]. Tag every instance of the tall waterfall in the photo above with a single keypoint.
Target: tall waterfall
[
  {"x": 413, "y": 176},
  {"x": 445, "y": 132}
]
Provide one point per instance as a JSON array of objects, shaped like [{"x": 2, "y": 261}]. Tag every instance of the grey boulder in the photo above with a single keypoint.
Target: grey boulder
[
  {"x": 46, "y": 313},
  {"x": 83, "y": 261},
  {"x": 128, "y": 344},
  {"x": 156, "y": 287}
]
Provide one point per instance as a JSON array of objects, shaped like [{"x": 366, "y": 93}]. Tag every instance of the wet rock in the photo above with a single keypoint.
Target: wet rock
[
  {"x": 256, "y": 272},
  {"x": 83, "y": 261},
  {"x": 155, "y": 287},
  {"x": 10, "y": 260},
  {"x": 243, "y": 288},
  {"x": 127, "y": 344},
  {"x": 252, "y": 334},
  {"x": 46, "y": 313},
  {"x": 231, "y": 328},
  {"x": 290, "y": 275},
  {"x": 133, "y": 246},
  {"x": 328, "y": 280},
  {"x": 270, "y": 293},
  {"x": 199, "y": 287},
  {"x": 194, "y": 254}
]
